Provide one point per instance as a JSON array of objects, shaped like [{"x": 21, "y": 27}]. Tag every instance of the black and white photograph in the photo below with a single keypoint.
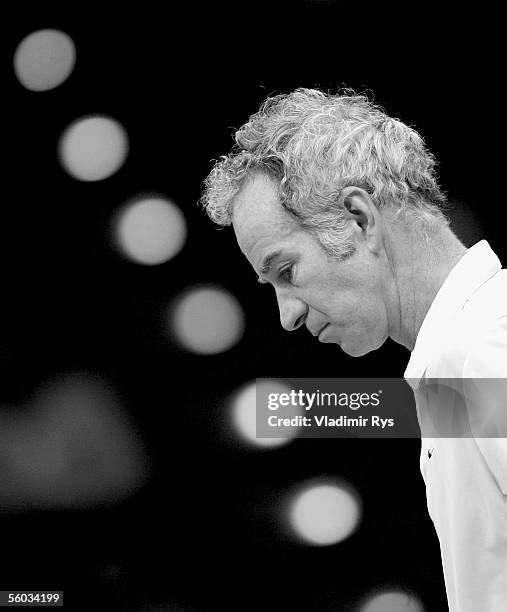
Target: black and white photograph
[{"x": 253, "y": 354}]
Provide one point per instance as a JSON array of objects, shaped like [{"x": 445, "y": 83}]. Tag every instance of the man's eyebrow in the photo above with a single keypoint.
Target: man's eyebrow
[{"x": 266, "y": 263}]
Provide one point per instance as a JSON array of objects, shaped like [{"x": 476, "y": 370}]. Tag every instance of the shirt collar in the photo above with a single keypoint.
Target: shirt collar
[{"x": 477, "y": 265}]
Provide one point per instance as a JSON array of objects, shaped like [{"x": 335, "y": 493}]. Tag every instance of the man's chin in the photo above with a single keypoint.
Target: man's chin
[{"x": 356, "y": 349}]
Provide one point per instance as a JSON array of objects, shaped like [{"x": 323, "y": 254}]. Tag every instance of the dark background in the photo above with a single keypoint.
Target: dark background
[{"x": 180, "y": 79}]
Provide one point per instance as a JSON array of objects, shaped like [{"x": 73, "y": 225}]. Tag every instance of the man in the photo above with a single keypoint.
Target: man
[{"x": 337, "y": 206}]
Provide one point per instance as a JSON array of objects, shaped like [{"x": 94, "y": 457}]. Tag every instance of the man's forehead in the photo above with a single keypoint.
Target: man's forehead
[
  {"x": 259, "y": 193},
  {"x": 257, "y": 213}
]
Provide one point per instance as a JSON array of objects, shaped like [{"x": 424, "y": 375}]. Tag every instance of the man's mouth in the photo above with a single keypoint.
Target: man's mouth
[{"x": 322, "y": 331}]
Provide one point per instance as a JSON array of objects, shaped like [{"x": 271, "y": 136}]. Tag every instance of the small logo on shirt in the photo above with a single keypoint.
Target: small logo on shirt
[{"x": 430, "y": 453}]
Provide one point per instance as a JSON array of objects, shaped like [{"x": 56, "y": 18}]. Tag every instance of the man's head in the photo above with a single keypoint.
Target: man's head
[{"x": 314, "y": 188}]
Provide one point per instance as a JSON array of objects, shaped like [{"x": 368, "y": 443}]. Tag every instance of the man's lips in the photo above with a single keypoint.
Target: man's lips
[
  {"x": 322, "y": 331},
  {"x": 328, "y": 336}
]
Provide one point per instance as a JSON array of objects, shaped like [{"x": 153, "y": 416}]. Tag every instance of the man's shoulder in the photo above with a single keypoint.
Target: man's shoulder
[
  {"x": 475, "y": 343},
  {"x": 472, "y": 341},
  {"x": 488, "y": 303},
  {"x": 475, "y": 346}
]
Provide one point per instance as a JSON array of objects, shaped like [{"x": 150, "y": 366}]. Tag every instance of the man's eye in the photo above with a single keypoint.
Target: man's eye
[{"x": 287, "y": 274}]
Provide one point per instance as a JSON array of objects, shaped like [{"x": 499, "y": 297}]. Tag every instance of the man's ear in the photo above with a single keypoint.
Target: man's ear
[
  {"x": 359, "y": 208},
  {"x": 357, "y": 205}
]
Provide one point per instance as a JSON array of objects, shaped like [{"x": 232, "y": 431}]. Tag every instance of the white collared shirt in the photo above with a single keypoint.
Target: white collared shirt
[{"x": 464, "y": 336}]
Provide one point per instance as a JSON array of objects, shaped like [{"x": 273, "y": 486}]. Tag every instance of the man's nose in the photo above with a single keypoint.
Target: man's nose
[{"x": 292, "y": 312}]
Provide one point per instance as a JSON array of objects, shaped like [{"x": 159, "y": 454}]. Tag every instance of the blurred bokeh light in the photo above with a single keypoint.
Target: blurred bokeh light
[
  {"x": 323, "y": 513},
  {"x": 392, "y": 601},
  {"x": 150, "y": 231},
  {"x": 44, "y": 59},
  {"x": 71, "y": 446},
  {"x": 93, "y": 148},
  {"x": 206, "y": 320},
  {"x": 243, "y": 410}
]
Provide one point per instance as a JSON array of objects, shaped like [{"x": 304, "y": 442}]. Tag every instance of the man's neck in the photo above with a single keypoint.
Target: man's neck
[{"x": 420, "y": 269}]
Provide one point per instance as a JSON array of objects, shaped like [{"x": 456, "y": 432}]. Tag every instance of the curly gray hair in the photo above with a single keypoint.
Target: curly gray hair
[{"x": 315, "y": 144}]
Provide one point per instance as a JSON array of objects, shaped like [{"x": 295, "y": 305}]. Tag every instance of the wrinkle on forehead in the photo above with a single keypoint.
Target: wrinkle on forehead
[{"x": 258, "y": 215}]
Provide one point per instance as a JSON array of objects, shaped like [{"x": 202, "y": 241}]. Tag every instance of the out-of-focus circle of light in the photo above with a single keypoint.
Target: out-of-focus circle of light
[
  {"x": 323, "y": 514},
  {"x": 93, "y": 148},
  {"x": 151, "y": 231},
  {"x": 44, "y": 59},
  {"x": 74, "y": 446},
  {"x": 392, "y": 601},
  {"x": 244, "y": 410},
  {"x": 207, "y": 320}
]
